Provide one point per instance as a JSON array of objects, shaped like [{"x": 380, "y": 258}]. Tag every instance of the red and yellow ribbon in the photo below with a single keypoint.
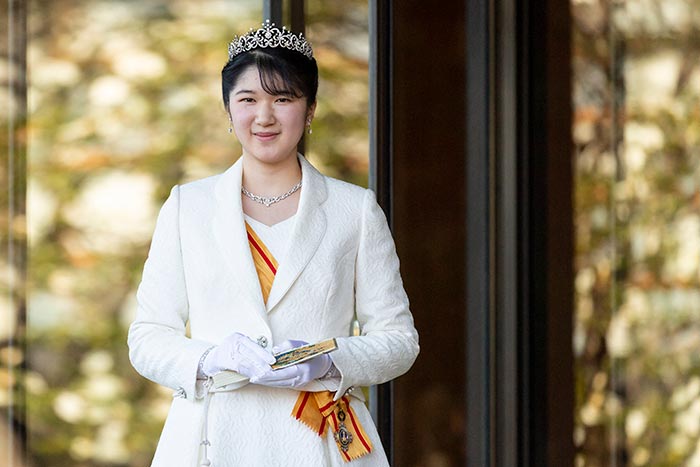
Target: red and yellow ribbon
[
  {"x": 265, "y": 263},
  {"x": 318, "y": 411}
]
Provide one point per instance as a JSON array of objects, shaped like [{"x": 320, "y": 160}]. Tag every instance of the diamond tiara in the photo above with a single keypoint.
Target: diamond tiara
[{"x": 269, "y": 36}]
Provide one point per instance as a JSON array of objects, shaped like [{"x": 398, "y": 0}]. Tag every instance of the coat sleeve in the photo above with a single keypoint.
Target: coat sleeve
[
  {"x": 158, "y": 347},
  {"x": 388, "y": 344}
]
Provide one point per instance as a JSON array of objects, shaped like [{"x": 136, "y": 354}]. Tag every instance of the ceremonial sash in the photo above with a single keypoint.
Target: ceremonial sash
[
  {"x": 265, "y": 263},
  {"x": 317, "y": 410}
]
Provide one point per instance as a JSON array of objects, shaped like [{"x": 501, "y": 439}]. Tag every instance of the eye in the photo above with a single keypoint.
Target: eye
[
  {"x": 246, "y": 100},
  {"x": 284, "y": 99}
]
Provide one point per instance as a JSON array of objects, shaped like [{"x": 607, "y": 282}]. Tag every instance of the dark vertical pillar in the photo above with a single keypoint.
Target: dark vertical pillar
[
  {"x": 479, "y": 211},
  {"x": 381, "y": 101},
  {"x": 13, "y": 178},
  {"x": 429, "y": 214},
  {"x": 272, "y": 10},
  {"x": 519, "y": 234},
  {"x": 381, "y": 171},
  {"x": 479, "y": 183},
  {"x": 297, "y": 24},
  {"x": 560, "y": 245},
  {"x": 548, "y": 229},
  {"x": 297, "y": 21},
  {"x": 507, "y": 385}
]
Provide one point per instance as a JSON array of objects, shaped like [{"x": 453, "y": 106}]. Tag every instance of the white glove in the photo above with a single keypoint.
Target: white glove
[
  {"x": 238, "y": 353},
  {"x": 298, "y": 375}
]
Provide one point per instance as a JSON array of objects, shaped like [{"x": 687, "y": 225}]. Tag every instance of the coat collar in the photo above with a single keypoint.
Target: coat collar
[
  {"x": 232, "y": 239},
  {"x": 309, "y": 229}
]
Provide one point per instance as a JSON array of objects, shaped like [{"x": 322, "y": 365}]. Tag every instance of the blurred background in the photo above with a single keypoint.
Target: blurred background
[{"x": 636, "y": 131}]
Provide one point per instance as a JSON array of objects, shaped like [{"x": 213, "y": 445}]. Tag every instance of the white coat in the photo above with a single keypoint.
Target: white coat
[{"x": 341, "y": 263}]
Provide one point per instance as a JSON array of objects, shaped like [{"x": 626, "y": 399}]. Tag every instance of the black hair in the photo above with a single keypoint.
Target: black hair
[{"x": 282, "y": 72}]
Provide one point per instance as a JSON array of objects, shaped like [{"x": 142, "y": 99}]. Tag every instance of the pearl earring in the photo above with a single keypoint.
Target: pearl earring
[{"x": 308, "y": 123}]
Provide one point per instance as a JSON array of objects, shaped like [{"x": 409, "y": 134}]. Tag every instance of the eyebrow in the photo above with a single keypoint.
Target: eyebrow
[{"x": 289, "y": 94}]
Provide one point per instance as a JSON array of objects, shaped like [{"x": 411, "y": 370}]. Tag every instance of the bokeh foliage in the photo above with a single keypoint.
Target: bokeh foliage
[
  {"x": 124, "y": 102},
  {"x": 637, "y": 319}
]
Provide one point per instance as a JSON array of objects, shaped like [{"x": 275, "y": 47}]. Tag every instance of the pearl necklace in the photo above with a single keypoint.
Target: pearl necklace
[{"x": 269, "y": 201}]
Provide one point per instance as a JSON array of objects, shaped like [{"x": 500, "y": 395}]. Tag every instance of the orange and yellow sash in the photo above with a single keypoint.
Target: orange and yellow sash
[
  {"x": 265, "y": 263},
  {"x": 317, "y": 410}
]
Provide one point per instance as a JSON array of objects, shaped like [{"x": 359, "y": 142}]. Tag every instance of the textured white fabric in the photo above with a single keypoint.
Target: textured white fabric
[
  {"x": 340, "y": 261},
  {"x": 275, "y": 237}
]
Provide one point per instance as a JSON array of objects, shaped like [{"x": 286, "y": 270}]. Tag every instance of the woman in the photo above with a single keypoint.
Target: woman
[{"x": 268, "y": 256}]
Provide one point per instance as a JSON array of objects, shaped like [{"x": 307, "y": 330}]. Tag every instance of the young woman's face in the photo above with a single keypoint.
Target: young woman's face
[{"x": 269, "y": 127}]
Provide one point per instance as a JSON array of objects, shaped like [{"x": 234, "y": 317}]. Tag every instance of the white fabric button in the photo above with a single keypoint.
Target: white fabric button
[{"x": 262, "y": 341}]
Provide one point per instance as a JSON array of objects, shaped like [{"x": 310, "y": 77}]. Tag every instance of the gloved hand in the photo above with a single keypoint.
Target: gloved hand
[
  {"x": 238, "y": 353},
  {"x": 294, "y": 376}
]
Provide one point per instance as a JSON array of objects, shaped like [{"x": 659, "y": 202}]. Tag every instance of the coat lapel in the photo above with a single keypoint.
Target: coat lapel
[
  {"x": 309, "y": 229},
  {"x": 232, "y": 239}
]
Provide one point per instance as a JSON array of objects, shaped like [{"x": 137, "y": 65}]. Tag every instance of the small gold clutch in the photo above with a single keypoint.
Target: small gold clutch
[{"x": 303, "y": 353}]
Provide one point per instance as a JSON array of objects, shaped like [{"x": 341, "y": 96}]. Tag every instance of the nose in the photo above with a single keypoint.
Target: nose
[{"x": 265, "y": 115}]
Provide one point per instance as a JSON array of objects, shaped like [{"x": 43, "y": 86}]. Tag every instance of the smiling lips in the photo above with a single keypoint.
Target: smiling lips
[{"x": 265, "y": 135}]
